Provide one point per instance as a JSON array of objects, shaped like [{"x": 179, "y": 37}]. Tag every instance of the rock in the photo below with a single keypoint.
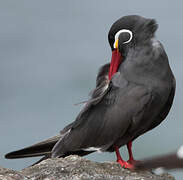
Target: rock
[
  {"x": 8, "y": 174},
  {"x": 76, "y": 168}
]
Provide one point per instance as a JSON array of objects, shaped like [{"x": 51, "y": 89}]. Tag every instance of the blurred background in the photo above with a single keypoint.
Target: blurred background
[{"x": 50, "y": 52}]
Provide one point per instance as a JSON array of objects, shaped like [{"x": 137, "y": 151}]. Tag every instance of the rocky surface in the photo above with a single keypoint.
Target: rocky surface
[{"x": 75, "y": 168}]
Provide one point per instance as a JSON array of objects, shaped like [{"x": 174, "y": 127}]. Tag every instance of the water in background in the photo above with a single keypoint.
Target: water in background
[{"x": 50, "y": 52}]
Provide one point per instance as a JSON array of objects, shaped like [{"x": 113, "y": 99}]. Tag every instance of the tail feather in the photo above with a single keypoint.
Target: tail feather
[
  {"x": 45, "y": 148},
  {"x": 39, "y": 149}
]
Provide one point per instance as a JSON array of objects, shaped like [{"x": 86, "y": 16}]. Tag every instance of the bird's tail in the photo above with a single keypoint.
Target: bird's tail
[
  {"x": 45, "y": 148},
  {"x": 40, "y": 149}
]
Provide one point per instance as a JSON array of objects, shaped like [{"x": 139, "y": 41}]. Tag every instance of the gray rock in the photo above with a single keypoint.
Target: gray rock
[{"x": 75, "y": 168}]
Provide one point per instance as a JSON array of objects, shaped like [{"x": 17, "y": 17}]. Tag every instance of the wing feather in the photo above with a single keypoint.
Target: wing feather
[{"x": 102, "y": 124}]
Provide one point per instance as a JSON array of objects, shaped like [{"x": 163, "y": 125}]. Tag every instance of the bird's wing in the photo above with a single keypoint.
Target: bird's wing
[
  {"x": 45, "y": 147},
  {"x": 102, "y": 81},
  {"x": 102, "y": 87},
  {"x": 38, "y": 149},
  {"x": 106, "y": 118}
]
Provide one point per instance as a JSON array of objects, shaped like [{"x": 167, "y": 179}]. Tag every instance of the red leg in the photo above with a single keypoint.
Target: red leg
[
  {"x": 131, "y": 159},
  {"x": 121, "y": 161}
]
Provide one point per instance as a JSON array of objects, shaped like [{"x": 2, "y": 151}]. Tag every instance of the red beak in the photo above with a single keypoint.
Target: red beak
[{"x": 115, "y": 62}]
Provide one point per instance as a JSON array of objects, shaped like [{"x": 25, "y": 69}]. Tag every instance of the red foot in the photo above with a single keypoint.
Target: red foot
[
  {"x": 131, "y": 159},
  {"x": 125, "y": 164}
]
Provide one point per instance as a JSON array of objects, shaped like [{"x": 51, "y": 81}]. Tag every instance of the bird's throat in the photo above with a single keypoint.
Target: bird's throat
[{"x": 115, "y": 62}]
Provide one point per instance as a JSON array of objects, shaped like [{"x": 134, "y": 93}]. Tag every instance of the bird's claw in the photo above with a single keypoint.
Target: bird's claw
[{"x": 125, "y": 164}]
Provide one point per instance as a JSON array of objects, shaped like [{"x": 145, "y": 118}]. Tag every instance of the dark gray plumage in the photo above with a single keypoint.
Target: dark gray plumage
[{"x": 136, "y": 99}]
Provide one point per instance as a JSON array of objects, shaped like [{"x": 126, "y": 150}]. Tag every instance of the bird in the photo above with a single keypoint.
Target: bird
[{"x": 134, "y": 93}]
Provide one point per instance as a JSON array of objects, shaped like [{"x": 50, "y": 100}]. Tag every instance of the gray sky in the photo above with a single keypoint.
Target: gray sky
[{"x": 50, "y": 52}]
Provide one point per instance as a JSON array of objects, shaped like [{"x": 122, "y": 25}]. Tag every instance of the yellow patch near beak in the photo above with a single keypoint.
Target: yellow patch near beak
[{"x": 116, "y": 44}]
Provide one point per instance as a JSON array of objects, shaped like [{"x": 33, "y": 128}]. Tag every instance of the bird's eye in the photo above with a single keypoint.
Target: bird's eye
[{"x": 126, "y": 36}]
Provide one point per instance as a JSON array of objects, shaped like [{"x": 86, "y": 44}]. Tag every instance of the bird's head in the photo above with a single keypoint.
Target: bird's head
[{"x": 128, "y": 32}]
